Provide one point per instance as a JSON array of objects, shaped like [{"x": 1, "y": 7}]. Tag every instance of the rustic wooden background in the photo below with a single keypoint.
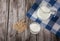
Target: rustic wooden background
[{"x": 13, "y": 10}]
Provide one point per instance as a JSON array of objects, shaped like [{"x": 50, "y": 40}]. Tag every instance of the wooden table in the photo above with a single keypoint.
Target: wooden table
[{"x": 12, "y": 11}]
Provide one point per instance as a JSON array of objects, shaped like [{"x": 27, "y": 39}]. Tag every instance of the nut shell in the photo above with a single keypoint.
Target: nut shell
[{"x": 20, "y": 26}]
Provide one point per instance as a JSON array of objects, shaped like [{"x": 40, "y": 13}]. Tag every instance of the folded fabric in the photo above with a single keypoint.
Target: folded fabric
[{"x": 53, "y": 24}]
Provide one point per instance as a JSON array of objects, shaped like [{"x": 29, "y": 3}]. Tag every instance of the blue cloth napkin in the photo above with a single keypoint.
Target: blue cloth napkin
[{"x": 53, "y": 24}]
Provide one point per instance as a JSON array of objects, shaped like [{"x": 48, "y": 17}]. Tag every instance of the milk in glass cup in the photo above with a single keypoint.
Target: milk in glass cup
[
  {"x": 45, "y": 10},
  {"x": 35, "y": 28}
]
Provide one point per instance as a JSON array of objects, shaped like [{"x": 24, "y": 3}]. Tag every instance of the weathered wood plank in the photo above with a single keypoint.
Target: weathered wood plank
[
  {"x": 53, "y": 37},
  {"x": 21, "y": 15},
  {"x": 47, "y": 35},
  {"x": 12, "y": 19},
  {"x": 40, "y": 36},
  {"x": 3, "y": 20}
]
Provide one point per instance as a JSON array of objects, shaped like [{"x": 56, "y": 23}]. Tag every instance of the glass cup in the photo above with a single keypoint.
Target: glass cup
[
  {"x": 35, "y": 28},
  {"x": 45, "y": 10}
]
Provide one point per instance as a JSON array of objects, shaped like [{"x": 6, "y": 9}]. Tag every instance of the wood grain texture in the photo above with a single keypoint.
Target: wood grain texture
[
  {"x": 12, "y": 11},
  {"x": 3, "y": 20}
]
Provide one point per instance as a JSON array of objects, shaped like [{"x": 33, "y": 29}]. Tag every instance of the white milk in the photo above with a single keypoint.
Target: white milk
[
  {"x": 44, "y": 11},
  {"x": 35, "y": 28}
]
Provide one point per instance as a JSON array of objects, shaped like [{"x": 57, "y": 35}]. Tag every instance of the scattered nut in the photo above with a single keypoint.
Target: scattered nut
[{"x": 20, "y": 26}]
